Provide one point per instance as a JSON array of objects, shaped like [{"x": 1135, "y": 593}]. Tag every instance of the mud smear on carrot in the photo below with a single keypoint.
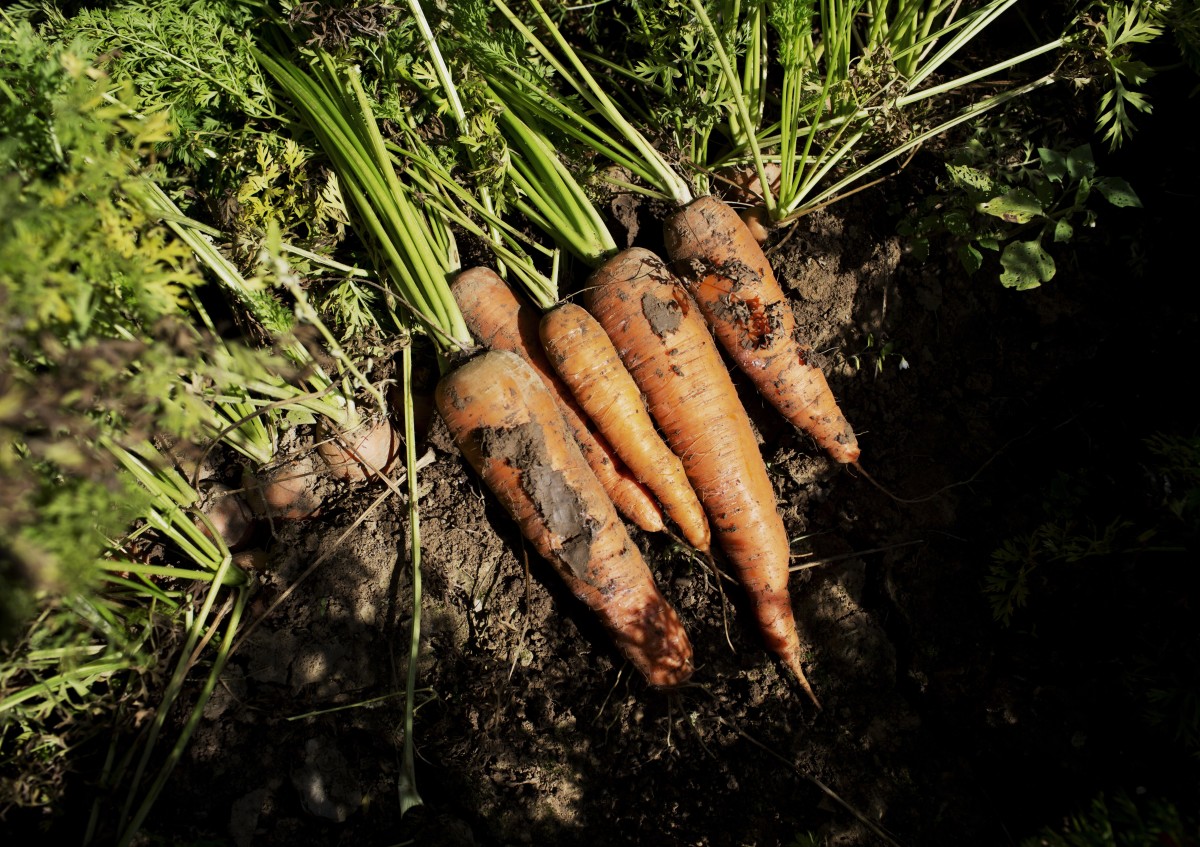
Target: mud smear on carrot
[
  {"x": 508, "y": 427},
  {"x": 664, "y": 316},
  {"x": 558, "y": 504},
  {"x": 759, "y": 325}
]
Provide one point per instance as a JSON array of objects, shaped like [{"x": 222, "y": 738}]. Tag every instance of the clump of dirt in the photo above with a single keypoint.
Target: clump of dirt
[{"x": 664, "y": 316}]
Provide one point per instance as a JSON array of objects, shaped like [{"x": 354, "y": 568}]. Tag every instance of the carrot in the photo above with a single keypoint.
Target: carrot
[
  {"x": 666, "y": 347},
  {"x": 507, "y": 425},
  {"x": 358, "y": 454},
  {"x": 729, "y": 275},
  {"x": 289, "y": 492},
  {"x": 587, "y": 362},
  {"x": 228, "y": 513},
  {"x": 500, "y": 321}
]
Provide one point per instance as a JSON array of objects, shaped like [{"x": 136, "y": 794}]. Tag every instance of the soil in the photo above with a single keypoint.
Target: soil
[{"x": 941, "y": 724}]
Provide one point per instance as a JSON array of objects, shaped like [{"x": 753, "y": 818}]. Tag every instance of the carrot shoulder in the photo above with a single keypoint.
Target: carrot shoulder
[
  {"x": 507, "y": 425},
  {"x": 499, "y": 320},
  {"x": 587, "y": 362},
  {"x": 729, "y": 275},
  {"x": 666, "y": 347}
]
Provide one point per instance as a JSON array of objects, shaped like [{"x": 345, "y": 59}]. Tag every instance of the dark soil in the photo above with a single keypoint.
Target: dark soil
[{"x": 941, "y": 725}]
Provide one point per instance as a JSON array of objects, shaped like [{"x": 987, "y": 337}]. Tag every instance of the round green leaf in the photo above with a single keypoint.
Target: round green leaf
[{"x": 1026, "y": 265}]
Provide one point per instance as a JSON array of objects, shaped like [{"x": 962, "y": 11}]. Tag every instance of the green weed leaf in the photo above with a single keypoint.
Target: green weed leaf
[
  {"x": 1054, "y": 164},
  {"x": 1043, "y": 189},
  {"x": 970, "y": 257},
  {"x": 957, "y": 223},
  {"x": 1082, "y": 192},
  {"x": 1080, "y": 163},
  {"x": 1018, "y": 206},
  {"x": 1118, "y": 192},
  {"x": 1026, "y": 265},
  {"x": 967, "y": 177}
]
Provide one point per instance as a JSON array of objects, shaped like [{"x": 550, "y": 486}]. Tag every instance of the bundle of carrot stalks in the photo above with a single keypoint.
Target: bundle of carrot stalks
[
  {"x": 639, "y": 381},
  {"x": 628, "y": 402}
]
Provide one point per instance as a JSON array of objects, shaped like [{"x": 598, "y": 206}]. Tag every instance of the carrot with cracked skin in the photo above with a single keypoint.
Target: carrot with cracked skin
[
  {"x": 507, "y": 425},
  {"x": 587, "y": 362},
  {"x": 728, "y": 274},
  {"x": 499, "y": 320},
  {"x": 665, "y": 345}
]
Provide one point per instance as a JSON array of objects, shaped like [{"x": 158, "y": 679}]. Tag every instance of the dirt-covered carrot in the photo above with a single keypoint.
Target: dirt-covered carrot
[
  {"x": 508, "y": 426},
  {"x": 360, "y": 454},
  {"x": 728, "y": 274},
  {"x": 499, "y": 320},
  {"x": 585, "y": 358},
  {"x": 665, "y": 345}
]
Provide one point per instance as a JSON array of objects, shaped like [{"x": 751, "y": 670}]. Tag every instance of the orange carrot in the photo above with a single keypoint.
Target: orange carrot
[
  {"x": 732, "y": 281},
  {"x": 289, "y": 492},
  {"x": 500, "y": 321},
  {"x": 666, "y": 347},
  {"x": 358, "y": 454},
  {"x": 587, "y": 362},
  {"x": 229, "y": 515},
  {"x": 507, "y": 425}
]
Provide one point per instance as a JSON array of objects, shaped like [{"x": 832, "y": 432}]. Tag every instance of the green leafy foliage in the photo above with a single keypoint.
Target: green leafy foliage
[
  {"x": 876, "y": 355},
  {"x": 78, "y": 257},
  {"x": 1122, "y": 27},
  {"x": 1121, "y": 821},
  {"x": 192, "y": 60},
  {"x": 487, "y": 54},
  {"x": 350, "y": 307},
  {"x": 50, "y": 683},
  {"x": 190, "y": 56},
  {"x": 808, "y": 839},
  {"x": 1109, "y": 45},
  {"x": 100, "y": 349},
  {"x": 275, "y": 183},
  {"x": 690, "y": 99},
  {"x": 1010, "y": 580},
  {"x": 76, "y": 519},
  {"x": 793, "y": 21},
  {"x": 1014, "y": 207},
  {"x": 91, "y": 279},
  {"x": 1182, "y": 19}
]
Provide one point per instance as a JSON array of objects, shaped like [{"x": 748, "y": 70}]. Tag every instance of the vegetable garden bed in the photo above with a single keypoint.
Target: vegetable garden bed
[{"x": 1004, "y": 638}]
